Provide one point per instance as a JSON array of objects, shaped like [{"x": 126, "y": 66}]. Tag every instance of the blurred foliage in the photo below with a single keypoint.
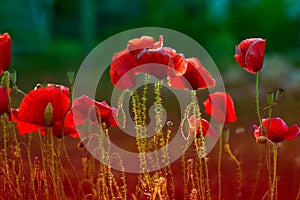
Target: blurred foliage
[{"x": 51, "y": 36}]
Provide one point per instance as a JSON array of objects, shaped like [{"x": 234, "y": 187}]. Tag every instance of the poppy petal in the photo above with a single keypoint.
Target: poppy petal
[
  {"x": 195, "y": 77},
  {"x": 33, "y": 105},
  {"x": 292, "y": 133},
  {"x": 220, "y": 106},
  {"x": 207, "y": 130},
  {"x": 82, "y": 109},
  {"x": 121, "y": 70},
  {"x": 144, "y": 42},
  {"x": 25, "y": 127}
]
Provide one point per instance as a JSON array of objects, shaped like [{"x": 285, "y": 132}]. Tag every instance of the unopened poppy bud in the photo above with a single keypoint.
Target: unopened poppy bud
[
  {"x": 48, "y": 113},
  {"x": 5, "y": 49},
  {"x": 71, "y": 77},
  {"x": 13, "y": 77},
  {"x": 5, "y": 80},
  {"x": 278, "y": 94},
  {"x": 270, "y": 98},
  {"x": 261, "y": 140}
]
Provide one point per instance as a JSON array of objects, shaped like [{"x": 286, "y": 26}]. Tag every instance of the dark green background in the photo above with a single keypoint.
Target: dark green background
[{"x": 51, "y": 36}]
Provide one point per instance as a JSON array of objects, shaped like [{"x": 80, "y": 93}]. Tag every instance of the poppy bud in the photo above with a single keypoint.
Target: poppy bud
[
  {"x": 278, "y": 94},
  {"x": 5, "y": 52},
  {"x": 5, "y": 80},
  {"x": 270, "y": 98},
  {"x": 13, "y": 77},
  {"x": 71, "y": 77},
  {"x": 48, "y": 114}
]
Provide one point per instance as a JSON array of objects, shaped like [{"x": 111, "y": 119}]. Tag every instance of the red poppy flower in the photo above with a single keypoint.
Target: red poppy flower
[
  {"x": 250, "y": 54},
  {"x": 30, "y": 116},
  {"x": 205, "y": 128},
  {"x": 121, "y": 69},
  {"x": 3, "y": 100},
  {"x": 145, "y": 55},
  {"x": 161, "y": 62},
  {"x": 84, "y": 108},
  {"x": 220, "y": 106},
  {"x": 278, "y": 130},
  {"x": 195, "y": 77},
  {"x": 5, "y": 52}
]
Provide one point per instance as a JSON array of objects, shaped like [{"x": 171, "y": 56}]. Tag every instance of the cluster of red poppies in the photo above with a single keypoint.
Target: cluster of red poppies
[
  {"x": 32, "y": 112},
  {"x": 145, "y": 55},
  {"x": 50, "y": 106}
]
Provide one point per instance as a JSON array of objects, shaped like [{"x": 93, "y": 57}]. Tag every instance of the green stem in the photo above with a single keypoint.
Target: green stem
[
  {"x": 219, "y": 165},
  {"x": 199, "y": 144},
  {"x": 257, "y": 104},
  {"x": 239, "y": 170},
  {"x": 30, "y": 166},
  {"x": 258, "y": 172},
  {"x": 274, "y": 182}
]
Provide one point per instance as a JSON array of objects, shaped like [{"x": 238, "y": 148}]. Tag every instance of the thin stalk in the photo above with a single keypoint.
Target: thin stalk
[
  {"x": 11, "y": 183},
  {"x": 184, "y": 172},
  {"x": 257, "y": 103},
  {"x": 198, "y": 145},
  {"x": 17, "y": 150},
  {"x": 44, "y": 164},
  {"x": 258, "y": 172},
  {"x": 4, "y": 125},
  {"x": 219, "y": 165},
  {"x": 239, "y": 170},
  {"x": 30, "y": 166},
  {"x": 298, "y": 195},
  {"x": 53, "y": 166},
  {"x": 268, "y": 155},
  {"x": 274, "y": 182}
]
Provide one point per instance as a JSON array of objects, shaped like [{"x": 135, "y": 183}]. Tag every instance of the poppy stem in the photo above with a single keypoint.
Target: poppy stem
[
  {"x": 298, "y": 195},
  {"x": 258, "y": 172},
  {"x": 238, "y": 169},
  {"x": 200, "y": 148},
  {"x": 274, "y": 182},
  {"x": 219, "y": 165},
  {"x": 257, "y": 104}
]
